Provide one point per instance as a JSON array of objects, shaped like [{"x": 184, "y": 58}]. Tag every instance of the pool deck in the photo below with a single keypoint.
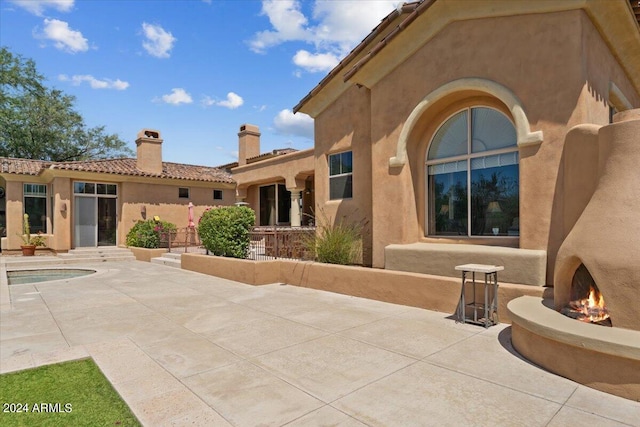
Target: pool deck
[{"x": 184, "y": 348}]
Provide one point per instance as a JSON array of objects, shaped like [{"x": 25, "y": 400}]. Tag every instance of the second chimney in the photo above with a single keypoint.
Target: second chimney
[
  {"x": 149, "y": 151},
  {"x": 248, "y": 143}
]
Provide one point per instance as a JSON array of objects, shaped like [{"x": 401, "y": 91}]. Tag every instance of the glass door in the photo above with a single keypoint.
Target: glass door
[
  {"x": 86, "y": 224},
  {"x": 106, "y": 221}
]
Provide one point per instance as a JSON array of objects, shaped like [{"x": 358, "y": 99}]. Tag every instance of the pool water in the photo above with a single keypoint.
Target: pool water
[{"x": 22, "y": 277}]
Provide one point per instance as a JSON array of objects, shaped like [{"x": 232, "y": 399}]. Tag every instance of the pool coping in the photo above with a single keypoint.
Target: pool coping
[{"x": 91, "y": 271}]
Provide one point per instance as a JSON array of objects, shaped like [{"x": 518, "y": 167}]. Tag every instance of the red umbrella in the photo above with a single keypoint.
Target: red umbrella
[{"x": 191, "y": 223}]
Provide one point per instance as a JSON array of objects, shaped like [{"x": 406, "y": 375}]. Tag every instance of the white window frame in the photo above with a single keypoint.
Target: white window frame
[
  {"x": 36, "y": 195},
  {"x": 468, "y": 158},
  {"x": 340, "y": 175}
]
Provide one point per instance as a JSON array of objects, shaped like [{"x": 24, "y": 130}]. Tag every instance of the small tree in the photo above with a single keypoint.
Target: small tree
[{"x": 224, "y": 230}]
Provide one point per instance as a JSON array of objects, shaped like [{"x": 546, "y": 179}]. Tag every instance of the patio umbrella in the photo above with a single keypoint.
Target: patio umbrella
[{"x": 191, "y": 223}]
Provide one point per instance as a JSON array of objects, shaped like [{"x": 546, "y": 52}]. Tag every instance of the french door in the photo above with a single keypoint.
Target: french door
[{"x": 95, "y": 219}]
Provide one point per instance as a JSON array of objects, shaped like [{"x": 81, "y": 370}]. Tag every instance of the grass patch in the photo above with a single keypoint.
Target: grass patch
[{"x": 72, "y": 393}]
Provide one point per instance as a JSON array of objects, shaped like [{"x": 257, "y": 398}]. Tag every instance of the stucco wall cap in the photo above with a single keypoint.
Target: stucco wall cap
[
  {"x": 525, "y": 136},
  {"x": 532, "y": 314},
  {"x": 627, "y": 116}
]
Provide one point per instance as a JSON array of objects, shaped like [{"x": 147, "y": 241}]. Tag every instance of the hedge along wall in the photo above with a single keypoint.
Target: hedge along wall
[{"x": 412, "y": 289}]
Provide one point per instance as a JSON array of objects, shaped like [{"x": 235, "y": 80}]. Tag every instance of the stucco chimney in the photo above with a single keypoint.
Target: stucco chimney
[
  {"x": 248, "y": 143},
  {"x": 149, "y": 151}
]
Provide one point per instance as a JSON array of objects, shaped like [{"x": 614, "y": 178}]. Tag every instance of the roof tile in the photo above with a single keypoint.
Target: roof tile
[{"x": 125, "y": 166}]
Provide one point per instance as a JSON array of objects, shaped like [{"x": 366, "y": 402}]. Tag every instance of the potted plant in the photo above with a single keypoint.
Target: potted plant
[{"x": 30, "y": 242}]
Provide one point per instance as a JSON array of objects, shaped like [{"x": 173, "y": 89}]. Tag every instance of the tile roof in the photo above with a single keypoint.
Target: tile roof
[
  {"x": 413, "y": 10},
  {"x": 274, "y": 153},
  {"x": 22, "y": 166},
  {"x": 125, "y": 167}
]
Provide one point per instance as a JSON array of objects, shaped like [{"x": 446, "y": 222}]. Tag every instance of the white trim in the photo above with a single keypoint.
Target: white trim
[{"x": 523, "y": 130}]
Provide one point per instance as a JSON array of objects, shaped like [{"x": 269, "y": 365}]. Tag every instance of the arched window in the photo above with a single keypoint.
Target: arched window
[{"x": 472, "y": 176}]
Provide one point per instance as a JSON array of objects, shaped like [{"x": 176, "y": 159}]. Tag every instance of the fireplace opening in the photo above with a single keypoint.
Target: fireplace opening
[{"x": 586, "y": 303}]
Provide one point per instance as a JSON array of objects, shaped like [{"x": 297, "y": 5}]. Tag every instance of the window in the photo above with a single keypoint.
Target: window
[
  {"x": 183, "y": 193},
  {"x": 94, "y": 188},
  {"x": 341, "y": 175},
  {"x": 275, "y": 205},
  {"x": 217, "y": 194},
  {"x": 473, "y": 176},
  {"x": 95, "y": 206},
  {"x": 35, "y": 205}
]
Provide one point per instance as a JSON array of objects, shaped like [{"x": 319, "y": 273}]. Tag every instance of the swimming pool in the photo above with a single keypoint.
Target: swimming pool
[{"x": 21, "y": 277}]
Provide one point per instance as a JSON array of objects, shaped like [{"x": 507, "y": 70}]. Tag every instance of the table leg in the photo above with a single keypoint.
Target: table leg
[{"x": 461, "y": 306}]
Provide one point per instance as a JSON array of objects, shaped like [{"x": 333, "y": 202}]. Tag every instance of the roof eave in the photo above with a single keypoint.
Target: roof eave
[
  {"x": 615, "y": 21},
  {"x": 354, "y": 55}
]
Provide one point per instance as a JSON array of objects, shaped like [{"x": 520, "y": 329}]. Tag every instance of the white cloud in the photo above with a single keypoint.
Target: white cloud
[
  {"x": 78, "y": 79},
  {"x": 232, "y": 102},
  {"x": 37, "y": 7},
  {"x": 64, "y": 38},
  {"x": 288, "y": 123},
  {"x": 176, "y": 97},
  {"x": 334, "y": 28},
  {"x": 207, "y": 101},
  {"x": 159, "y": 42},
  {"x": 288, "y": 24},
  {"x": 344, "y": 24},
  {"x": 315, "y": 62}
]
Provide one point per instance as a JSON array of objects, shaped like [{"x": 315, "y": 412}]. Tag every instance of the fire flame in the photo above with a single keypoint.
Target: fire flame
[{"x": 591, "y": 308}]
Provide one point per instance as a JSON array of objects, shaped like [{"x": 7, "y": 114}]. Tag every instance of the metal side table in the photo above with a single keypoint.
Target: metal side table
[{"x": 488, "y": 308}]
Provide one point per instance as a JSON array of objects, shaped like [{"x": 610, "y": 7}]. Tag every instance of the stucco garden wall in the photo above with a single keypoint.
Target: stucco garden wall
[
  {"x": 412, "y": 289},
  {"x": 144, "y": 254}
]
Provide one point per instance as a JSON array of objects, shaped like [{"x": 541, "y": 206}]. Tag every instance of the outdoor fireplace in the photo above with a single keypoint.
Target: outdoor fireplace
[
  {"x": 586, "y": 302},
  {"x": 597, "y": 274},
  {"x": 603, "y": 248}
]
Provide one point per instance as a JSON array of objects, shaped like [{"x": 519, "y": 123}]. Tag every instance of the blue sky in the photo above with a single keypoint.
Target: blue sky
[{"x": 193, "y": 69}]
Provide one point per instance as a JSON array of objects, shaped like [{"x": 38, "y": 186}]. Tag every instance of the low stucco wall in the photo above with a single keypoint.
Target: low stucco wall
[
  {"x": 245, "y": 271},
  {"x": 604, "y": 358},
  {"x": 525, "y": 266},
  {"x": 412, "y": 289},
  {"x": 144, "y": 254}
]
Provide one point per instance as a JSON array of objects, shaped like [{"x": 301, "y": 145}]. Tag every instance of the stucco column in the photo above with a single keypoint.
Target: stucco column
[{"x": 295, "y": 207}]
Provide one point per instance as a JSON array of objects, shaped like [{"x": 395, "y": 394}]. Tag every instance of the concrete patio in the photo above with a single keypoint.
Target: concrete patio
[{"x": 184, "y": 348}]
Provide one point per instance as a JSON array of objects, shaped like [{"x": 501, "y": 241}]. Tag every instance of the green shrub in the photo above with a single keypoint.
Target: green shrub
[
  {"x": 338, "y": 242},
  {"x": 146, "y": 234},
  {"x": 224, "y": 230}
]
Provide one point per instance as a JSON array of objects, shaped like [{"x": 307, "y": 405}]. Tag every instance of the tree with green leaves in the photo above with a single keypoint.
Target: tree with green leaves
[{"x": 37, "y": 122}]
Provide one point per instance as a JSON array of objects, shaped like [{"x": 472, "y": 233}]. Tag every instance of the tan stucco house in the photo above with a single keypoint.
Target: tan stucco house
[
  {"x": 446, "y": 129},
  {"x": 95, "y": 203}
]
